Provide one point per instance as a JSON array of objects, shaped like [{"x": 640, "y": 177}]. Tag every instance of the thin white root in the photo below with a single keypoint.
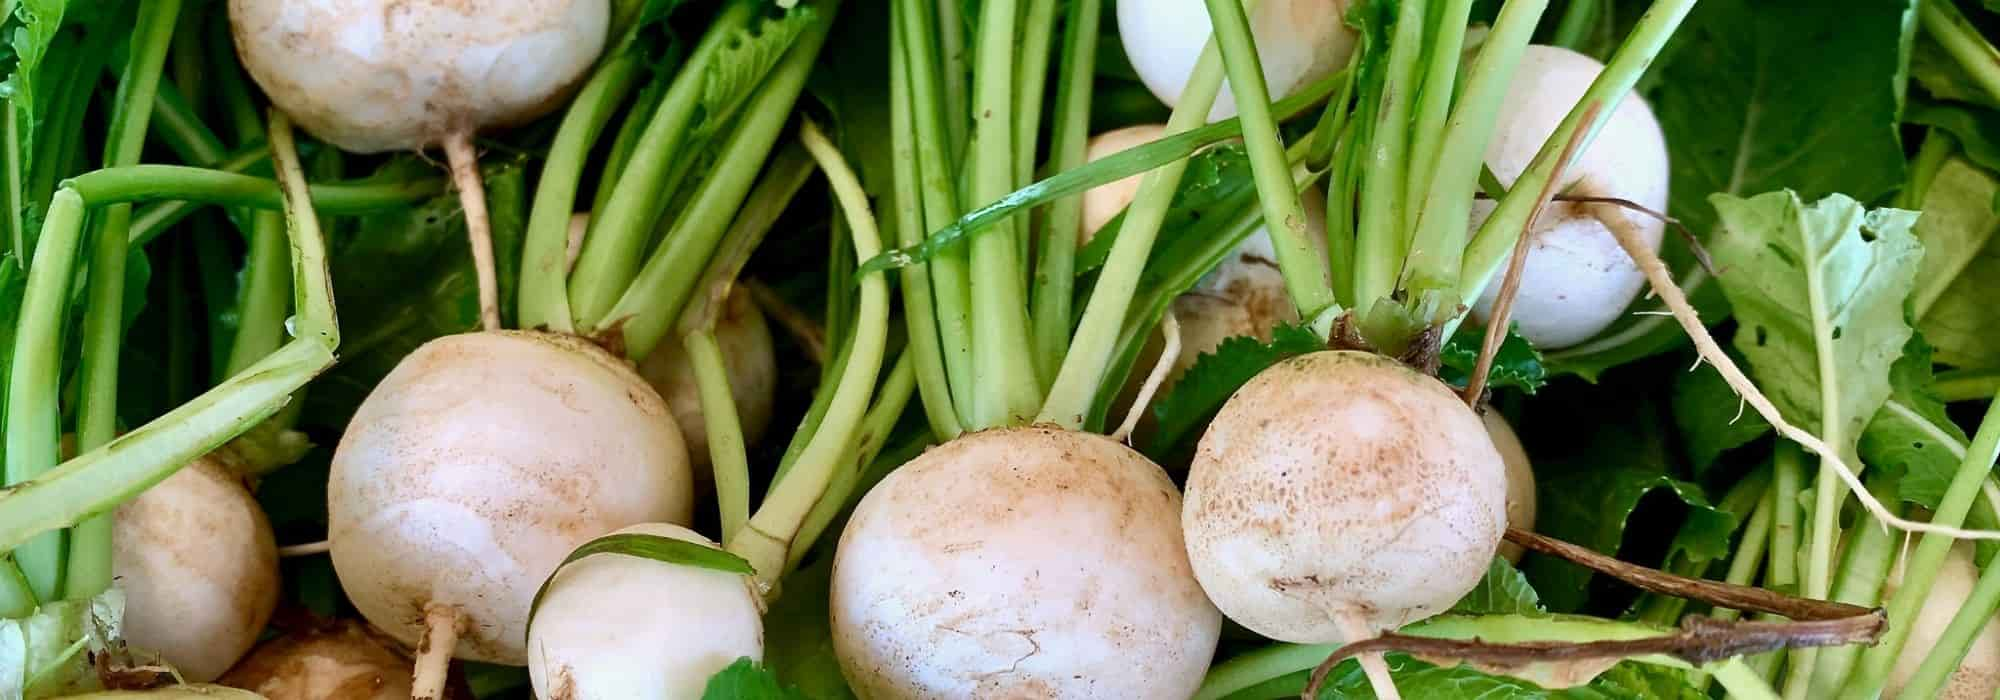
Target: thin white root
[
  {"x": 1372, "y": 663},
  {"x": 1662, "y": 282},
  {"x": 1170, "y": 327},
  {"x": 442, "y": 623},
  {"x": 464, "y": 162},
  {"x": 304, "y": 550}
]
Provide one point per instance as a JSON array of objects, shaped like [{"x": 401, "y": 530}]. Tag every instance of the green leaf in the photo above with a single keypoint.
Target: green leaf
[
  {"x": 1516, "y": 365},
  {"x": 745, "y": 680},
  {"x": 1215, "y": 376},
  {"x": 1502, "y": 591},
  {"x": 13, "y": 286},
  {"x": 745, "y": 59},
  {"x": 1956, "y": 287},
  {"x": 1214, "y": 180},
  {"x": 1416, "y": 679},
  {"x": 1976, "y": 129},
  {"x": 798, "y": 632},
  {"x": 1942, "y": 75},
  {"x": 1738, "y": 121},
  {"x": 1912, "y": 433},
  {"x": 1712, "y": 417},
  {"x": 1819, "y": 286}
]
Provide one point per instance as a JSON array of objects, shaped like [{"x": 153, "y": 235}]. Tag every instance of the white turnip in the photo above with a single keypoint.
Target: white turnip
[
  {"x": 1577, "y": 278},
  {"x": 1341, "y": 493},
  {"x": 747, "y": 358},
  {"x": 614, "y": 626},
  {"x": 1298, "y": 42},
  {"x": 1520, "y": 479},
  {"x": 1978, "y": 674},
  {"x": 196, "y": 560},
  {"x": 475, "y": 467},
  {"x": 1021, "y": 562},
  {"x": 344, "y": 660}
]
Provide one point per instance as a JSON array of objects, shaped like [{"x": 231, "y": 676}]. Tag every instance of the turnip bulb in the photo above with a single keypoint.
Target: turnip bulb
[
  {"x": 1520, "y": 479},
  {"x": 1298, "y": 42},
  {"x": 1020, "y": 562},
  {"x": 747, "y": 358},
  {"x": 613, "y": 626},
  {"x": 1577, "y": 279},
  {"x": 195, "y": 558},
  {"x": 1341, "y": 493},
  {"x": 477, "y": 465},
  {"x": 343, "y": 660},
  {"x": 1104, "y": 202},
  {"x": 1978, "y": 674}
]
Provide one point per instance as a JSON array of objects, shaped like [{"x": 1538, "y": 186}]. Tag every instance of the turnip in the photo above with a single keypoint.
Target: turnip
[
  {"x": 1520, "y": 479},
  {"x": 195, "y": 558},
  {"x": 1577, "y": 279},
  {"x": 1340, "y": 493},
  {"x": 1103, "y": 203},
  {"x": 1978, "y": 674},
  {"x": 344, "y": 660},
  {"x": 617, "y": 626},
  {"x": 475, "y": 466},
  {"x": 388, "y": 75},
  {"x": 1020, "y": 562},
  {"x": 745, "y": 341},
  {"x": 1298, "y": 41}
]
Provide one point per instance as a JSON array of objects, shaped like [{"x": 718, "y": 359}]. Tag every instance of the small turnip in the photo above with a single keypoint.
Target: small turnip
[
  {"x": 614, "y": 626},
  {"x": 343, "y": 660},
  {"x": 1978, "y": 674},
  {"x": 1021, "y": 562},
  {"x": 195, "y": 558},
  {"x": 1340, "y": 493},
  {"x": 1520, "y": 479},
  {"x": 476, "y": 466},
  {"x": 1298, "y": 42},
  {"x": 1577, "y": 279},
  {"x": 747, "y": 358}
]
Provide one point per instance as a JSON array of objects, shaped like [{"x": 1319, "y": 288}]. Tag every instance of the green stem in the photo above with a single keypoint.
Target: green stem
[
  {"x": 1949, "y": 650},
  {"x": 34, "y": 413},
  {"x": 1381, "y": 240},
  {"x": 136, "y": 183},
  {"x": 155, "y": 219},
  {"x": 1305, "y": 271},
  {"x": 1942, "y": 20},
  {"x": 265, "y": 298},
  {"x": 731, "y": 465},
  {"x": 1007, "y": 388},
  {"x": 1055, "y": 271},
  {"x": 1928, "y": 557},
  {"x": 1744, "y": 563},
  {"x": 926, "y": 348},
  {"x": 619, "y": 232},
  {"x": 1967, "y": 384},
  {"x": 1741, "y": 681},
  {"x": 1031, "y": 85},
  {"x": 1865, "y": 565},
  {"x": 950, "y": 38},
  {"x": 1081, "y": 377},
  {"x": 936, "y": 175},
  {"x": 657, "y": 294},
  {"x": 770, "y": 535},
  {"x": 1440, "y": 66},
  {"x": 1574, "y": 27},
  {"x": 890, "y": 401},
  {"x": 544, "y": 296},
  {"x": 1788, "y": 473},
  {"x": 1937, "y": 147},
  {"x": 644, "y": 106}
]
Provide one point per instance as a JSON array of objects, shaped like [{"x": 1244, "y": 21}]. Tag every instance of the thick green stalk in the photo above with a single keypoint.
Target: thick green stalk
[
  {"x": 1090, "y": 353},
  {"x": 1306, "y": 276},
  {"x": 890, "y": 401},
  {"x": 265, "y": 298},
  {"x": 1942, "y": 20},
  {"x": 1382, "y": 242},
  {"x": 1938, "y": 146},
  {"x": 134, "y": 183},
  {"x": 1922, "y": 567},
  {"x": 1440, "y": 66},
  {"x": 634, "y": 126},
  {"x": 544, "y": 296},
  {"x": 731, "y": 465},
  {"x": 1007, "y": 390},
  {"x": 926, "y": 349},
  {"x": 1574, "y": 27},
  {"x": 1865, "y": 565},
  {"x": 1967, "y": 384},
  {"x": 938, "y": 176},
  {"x": 34, "y": 414},
  {"x": 1055, "y": 270},
  {"x": 619, "y": 231},
  {"x": 1949, "y": 650},
  {"x": 950, "y": 40},
  {"x": 1788, "y": 475},
  {"x": 1038, "y": 29}
]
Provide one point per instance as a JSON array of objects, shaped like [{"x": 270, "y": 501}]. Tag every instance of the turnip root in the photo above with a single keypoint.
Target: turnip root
[
  {"x": 1520, "y": 480},
  {"x": 1104, "y": 202},
  {"x": 196, "y": 560},
  {"x": 1340, "y": 493},
  {"x": 1020, "y": 562},
  {"x": 752, "y": 370},
  {"x": 1577, "y": 279},
  {"x": 1978, "y": 674},
  {"x": 385, "y": 75},
  {"x": 1298, "y": 42},
  {"x": 344, "y": 660},
  {"x": 614, "y": 626},
  {"x": 476, "y": 466}
]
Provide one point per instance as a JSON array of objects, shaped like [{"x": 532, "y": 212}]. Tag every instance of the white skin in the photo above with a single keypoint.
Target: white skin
[
  {"x": 1520, "y": 479},
  {"x": 748, "y": 361},
  {"x": 1021, "y": 562},
  {"x": 1978, "y": 674},
  {"x": 1340, "y": 493},
  {"x": 1577, "y": 279},
  {"x": 615, "y": 627},
  {"x": 478, "y": 464},
  {"x": 343, "y": 660},
  {"x": 1298, "y": 42},
  {"x": 196, "y": 561}
]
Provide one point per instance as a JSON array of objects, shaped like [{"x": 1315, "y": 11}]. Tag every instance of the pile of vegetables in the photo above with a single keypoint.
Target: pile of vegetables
[{"x": 742, "y": 349}]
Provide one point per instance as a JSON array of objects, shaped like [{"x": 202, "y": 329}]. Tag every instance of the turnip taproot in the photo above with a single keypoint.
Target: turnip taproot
[
  {"x": 1577, "y": 279},
  {"x": 616, "y": 626},
  {"x": 745, "y": 340},
  {"x": 1978, "y": 674},
  {"x": 1520, "y": 479},
  {"x": 196, "y": 560},
  {"x": 1340, "y": 493},
  {"x": 476, "y": 466},
  {"x": 344, "y": 660},
  {"x": 1298, "y": 42},
  {"x": 1021, "y": 562}
]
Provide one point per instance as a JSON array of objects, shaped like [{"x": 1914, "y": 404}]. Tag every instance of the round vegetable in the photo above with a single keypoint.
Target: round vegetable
[
  {"x": 1340, "y": 493},
  {"x": 196, "y": 560},
  {"x": 344, "y": 660},
  {"x": 616, "y": 626},
  {"x": 1017, "y": 562},
  {"x": 477, "y": 465},
  {"x": 1577, "y": 280},
  {"x": 1298, "y": 42},
  {"x": 753, "y": 377},
  {"x": 1104, "y": 202},
  {"x": 1978, "y": 674},
  {"x": 1520, "y": 479}
]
